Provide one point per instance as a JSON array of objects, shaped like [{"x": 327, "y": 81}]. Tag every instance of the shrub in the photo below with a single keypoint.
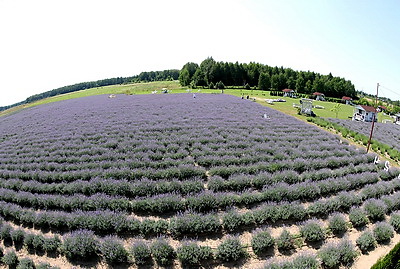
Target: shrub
[
  {"x": 192, "y": 223},
  {"x": 45, "y": 265},
  {"x": 231, "y": 221},
  {"x": 112, "y": 250},
  {"x": 26, "y": 263},
  {"x": 337, "y": 223},
  {"x": 366, "y": 241},
  {"x": 335, "y": 253},
  {"x": 383, "y": 232},
  {"x": 190, "y": 253},
  {"x": 261, "y": 242},
  {"x": 10, "y": 259},
  {"x": 52, "y": 244},
  {"x": 312, "y": 231},
  {"x": 141, "y": 253},
  {"x": 18, "y": 236},
  {"x": 375, "y": 209},
  {"x": 358, "y": 217},
  {"x": 395, "y": 221},
  {"x": 5, "y": 232},
  {"x": 285, "y": 241},
  {"x": 1, "y": 254},
  {"x": 304, "y": 261},
  {"x": 79, "y": 245},
  {"x": 38, "y": 242},
  {"x": 230, "y": 250},
  {"x": 28, "y": 241},
  {"x": 347, "y": 252},
  {"x": 162, "y": 252}
]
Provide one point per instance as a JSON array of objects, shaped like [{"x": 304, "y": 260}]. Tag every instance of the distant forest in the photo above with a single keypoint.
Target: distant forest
[
  {"x": 264, "y": 77},
  {"x": 172, "y": 74}
]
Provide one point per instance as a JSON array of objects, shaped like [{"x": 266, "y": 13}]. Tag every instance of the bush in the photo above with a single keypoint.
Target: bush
[
  {"x": 26, "y": 263},
  {"x": 395, "y": 221},
  {"x": 261, "y": 242},
  {"x": 335, "y": 253},
  {"x": 230, "y": 250},
  {"x": 141, "y": 253},
  {"x": 79, "y": 245},
  {"x": 383, "y": 232},
  {"x": 1, "y": 254},
  {"x": 231, "y": 221},
  {"x": 358, "y": 217},
  {"x": 45, "y": 265},
  {"x": 192, "y": 254},
  {"x": 38, "y": 242},
  {"x": 10, "y": 259},
  {"x": 337, "y": 223},
  {"x": 312, "y": 231},
  {"x": 52, "y": 244},
  {"x": 375, "y": 209},
  {"x": 28, "y": 241},
  {"x": 112, "y": 250},
  {"x": 366, "y": 241},
  {"x": 18, "y": 236},
  {"x": 285, "y": 241},
  {"x": 191, "y": 223},
  {"x": 5, "y": 232},
  {"x": 304, "y": 261},
  {"x": 162, "y": 252}
]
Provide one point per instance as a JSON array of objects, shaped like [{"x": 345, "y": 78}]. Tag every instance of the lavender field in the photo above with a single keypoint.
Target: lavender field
[
  {"x": 384, "y": 132},
  {"x": 172, "y": 180}
]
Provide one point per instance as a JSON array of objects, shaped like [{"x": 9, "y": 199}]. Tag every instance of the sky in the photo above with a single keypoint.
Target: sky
[{"x": 47, "y": 44}]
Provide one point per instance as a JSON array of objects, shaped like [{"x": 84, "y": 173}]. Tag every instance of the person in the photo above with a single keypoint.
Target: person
[{"x": 194, "y": 95}]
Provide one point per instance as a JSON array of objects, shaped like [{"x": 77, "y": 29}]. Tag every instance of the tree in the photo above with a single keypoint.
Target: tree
[
  {"x": 184, "y": 77},
  {"x": 336, "y": 108},
  {"x": 264, "y": 81}
]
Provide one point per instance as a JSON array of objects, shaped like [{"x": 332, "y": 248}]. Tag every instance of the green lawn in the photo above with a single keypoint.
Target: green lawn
[{"x": 345, "y": 112}]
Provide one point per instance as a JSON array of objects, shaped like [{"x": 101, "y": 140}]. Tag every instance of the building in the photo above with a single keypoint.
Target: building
[
  {"x": 347, "y": 100},
  {"x": 365, "y": 113},
  {"x": 397, "y": 119},
  {"x": 319, "y": 96},
  {"x": 289, "y": 93}
]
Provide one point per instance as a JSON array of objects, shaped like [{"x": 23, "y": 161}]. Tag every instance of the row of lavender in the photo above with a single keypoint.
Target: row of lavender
[{"x": 216, "y": 164}]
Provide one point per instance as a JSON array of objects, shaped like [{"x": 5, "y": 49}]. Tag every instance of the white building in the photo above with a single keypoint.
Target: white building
[{"x": 365, "y": 113}]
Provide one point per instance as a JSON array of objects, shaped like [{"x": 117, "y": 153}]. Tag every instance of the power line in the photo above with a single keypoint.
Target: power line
[{"x": 394, "y": 92}]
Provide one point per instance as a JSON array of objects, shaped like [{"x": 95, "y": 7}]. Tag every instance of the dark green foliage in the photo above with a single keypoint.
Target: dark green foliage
[
  {"x": 5, "y": 232},
  {"x": 285, "y": 241},
  {"x": 28, "y": 241},
  {"x": 153, "y": 227},
  {"x": 312, "y": 231},
  {"x": 10, "y": 259},
  {"x": 366, "y": 241},
  {"x": 194, "y": 224},
  {"x": 141, "y": 253},
  {"x": 38, "y": 242},
  {"x": 390, "y": 261},
  {"x": 1, "y": 253},
  {"x": 112, "y": 250},
  {"x": 304, "y": 261},
  {"x": 358, "y": 217},
  {"x": 261, "y": 242},
  {"x": 232, "y": 221},
  {"x": 231, "y": 250},
  {"x": 26, "y": 263},
  {"x": 220, "y": 85},
  {"x": 162, "y": 252},
  {"x": 383, "y": 232},
  {"x": 52, "y": 244},
  {"x": 337, "y": 223},
  {"x": 189, "y": 253},
  {"x": 18, "y": 236},
  {"x": 80, "y": 245}
]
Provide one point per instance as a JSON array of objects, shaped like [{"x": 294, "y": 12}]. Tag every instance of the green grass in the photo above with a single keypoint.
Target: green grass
[{"x": 345, "y": 112}]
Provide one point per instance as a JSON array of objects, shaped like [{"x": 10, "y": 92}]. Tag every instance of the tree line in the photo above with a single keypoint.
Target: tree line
[
  {"x": 263, "y": 77},
  {"x": 172, "y": 74}
]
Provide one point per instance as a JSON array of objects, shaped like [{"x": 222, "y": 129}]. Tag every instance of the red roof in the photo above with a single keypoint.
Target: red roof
[
  {"x": 287, "y": 90},
  {"x": 368, "y": 108},
  {"x": 317, "y": 93},
  {"x": 382, "y": 107},
  {"x": 346, "y": 98}
]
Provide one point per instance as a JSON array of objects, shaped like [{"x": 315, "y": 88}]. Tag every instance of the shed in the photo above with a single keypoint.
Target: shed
[
  {"x": 381, "y": 108},
  {"x": 365, "y": 113},
  {"x": 288, "y": 93},
  {"x": 347, "y": 100},
  {"x": 319, "y": 96}
]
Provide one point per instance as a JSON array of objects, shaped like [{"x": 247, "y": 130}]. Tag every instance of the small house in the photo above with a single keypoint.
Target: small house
[
  {"x": 365, "y": 113},
  {"x": 347, "y": 100},
  {"x": 381, "y": 108},
  {"x": 319, "y": 96},
  {"x": 288, "y": 93}
]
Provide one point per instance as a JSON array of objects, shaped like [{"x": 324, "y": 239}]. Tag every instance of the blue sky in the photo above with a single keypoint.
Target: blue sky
[{"x": 47, "y": 44}]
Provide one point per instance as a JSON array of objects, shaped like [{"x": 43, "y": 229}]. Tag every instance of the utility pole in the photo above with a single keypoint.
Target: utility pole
[{"x": 373, "y": 120}]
